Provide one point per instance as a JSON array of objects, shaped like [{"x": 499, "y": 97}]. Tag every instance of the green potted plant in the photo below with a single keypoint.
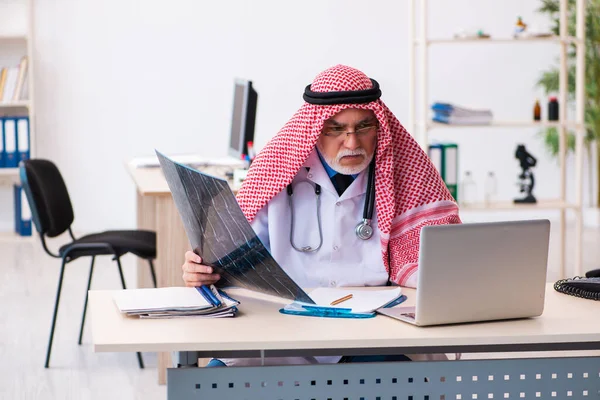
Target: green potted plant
[{"x": 549, "y": 80}]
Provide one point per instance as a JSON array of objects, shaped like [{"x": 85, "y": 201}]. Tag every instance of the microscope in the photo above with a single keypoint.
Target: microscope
[{"x": 526, "y": 180}]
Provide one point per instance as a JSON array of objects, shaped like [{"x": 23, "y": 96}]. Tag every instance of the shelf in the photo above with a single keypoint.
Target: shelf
[
  {"x": 508, "y": 124},
  {"x": 15, "y": 104},
  {"x": 9, "y": 176},
  {"x": 550, "y": 39},
  {"x": 13, "y": 38},
  {"x": 9, "y": 172},
  {"x": 510, "y": 206}
]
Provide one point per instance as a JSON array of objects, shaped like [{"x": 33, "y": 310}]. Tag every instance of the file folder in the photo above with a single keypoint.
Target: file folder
[
  {"x": 444, "y": 157},
  {"x": 10, "y": 143},
  {"x": 2, "y": 152},
  {"x": 22, "y": 212},
  {"x": 23, "y": 141},
  {"x": 172, "y": 302}
]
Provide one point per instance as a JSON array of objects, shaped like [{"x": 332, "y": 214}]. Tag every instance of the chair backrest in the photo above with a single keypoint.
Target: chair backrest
[{"x": 48, "y": 197}]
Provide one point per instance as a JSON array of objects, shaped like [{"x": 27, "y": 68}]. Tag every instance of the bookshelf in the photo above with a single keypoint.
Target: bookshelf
[
  {"x": 16, "y": 42},
  {"x": 421, "y": 125}
]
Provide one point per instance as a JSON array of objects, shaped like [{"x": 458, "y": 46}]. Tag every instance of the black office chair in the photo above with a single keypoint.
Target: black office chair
[{"x": 52, "y": 215}]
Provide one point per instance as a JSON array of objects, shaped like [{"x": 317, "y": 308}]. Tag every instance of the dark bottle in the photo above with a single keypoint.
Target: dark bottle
[
  {"x": 553, "y": 109},
  {"x": 537, "y": 111}
]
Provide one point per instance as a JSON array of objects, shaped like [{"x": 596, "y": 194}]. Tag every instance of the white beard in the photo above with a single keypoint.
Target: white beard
[{"x": 334, "y": 163}]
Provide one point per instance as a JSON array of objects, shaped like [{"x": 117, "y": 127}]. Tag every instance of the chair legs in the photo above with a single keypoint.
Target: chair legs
[
  {"x": 86, "y": 300},
  {"x": 152, "y": 271},
  {"x": 60, "y": 280},
  {"x": 139, "y": 355}
]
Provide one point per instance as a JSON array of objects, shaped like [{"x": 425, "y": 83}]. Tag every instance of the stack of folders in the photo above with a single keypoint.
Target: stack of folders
[
  {"x": 444, "y": 157},
  {"x": 448, "y": 113},
  {"x": 14, "y": 141},
  {"x": 345, "y": 302},
  {"x": 174, "y": 302}
]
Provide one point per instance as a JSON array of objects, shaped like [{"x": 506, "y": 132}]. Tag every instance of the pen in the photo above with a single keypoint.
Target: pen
[{"x": 338, "y": 301}]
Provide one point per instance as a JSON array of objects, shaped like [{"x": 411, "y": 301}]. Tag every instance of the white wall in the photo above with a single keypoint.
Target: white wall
[{"x": 117, "y": 78}]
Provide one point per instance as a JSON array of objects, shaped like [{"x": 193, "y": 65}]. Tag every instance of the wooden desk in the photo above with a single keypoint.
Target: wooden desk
[
  {"x": 568, "y": 323},
  {"x": 156, "y": 211}
]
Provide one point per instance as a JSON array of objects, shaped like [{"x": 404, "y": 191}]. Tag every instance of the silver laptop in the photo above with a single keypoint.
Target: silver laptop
[{"x": 479, "y": 272}]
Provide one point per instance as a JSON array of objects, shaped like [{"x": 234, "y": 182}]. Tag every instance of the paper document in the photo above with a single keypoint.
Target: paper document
[
  {"x": 362, "y": 301},
  {"x": 219, "y": 233},
  {"x": 173, "y": 302}
]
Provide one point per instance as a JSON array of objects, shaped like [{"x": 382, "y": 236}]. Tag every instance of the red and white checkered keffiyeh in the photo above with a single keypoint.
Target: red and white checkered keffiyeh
[{"x": 409, "y": 192}]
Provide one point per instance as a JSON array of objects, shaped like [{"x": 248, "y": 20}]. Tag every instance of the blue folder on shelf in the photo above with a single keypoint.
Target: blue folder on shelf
[
  {"x": 362, "y": 304},
  {"x": 10, "y": 143},
  {"x": 2, "y": 151},
  {"x": 22, "y": 212},
  {"x": 23, "y": 140}
]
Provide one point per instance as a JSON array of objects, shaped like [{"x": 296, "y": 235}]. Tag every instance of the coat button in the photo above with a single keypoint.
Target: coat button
[
  {"x": 338, "y": 204},
  {"x": 335, "y": 248}
]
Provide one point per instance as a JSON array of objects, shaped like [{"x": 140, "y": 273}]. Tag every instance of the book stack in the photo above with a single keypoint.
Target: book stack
[
  {"x": 174, "y": 302},
  {"x": 13, "y": 82},
  {"x": 447, "y": 113}
]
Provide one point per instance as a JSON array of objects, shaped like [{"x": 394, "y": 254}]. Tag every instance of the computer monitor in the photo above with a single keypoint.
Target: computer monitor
[{"x": 243, "y": 118}]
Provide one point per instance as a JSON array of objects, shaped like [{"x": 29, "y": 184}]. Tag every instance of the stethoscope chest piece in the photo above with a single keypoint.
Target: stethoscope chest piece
[{"x": 364, "y": 230}]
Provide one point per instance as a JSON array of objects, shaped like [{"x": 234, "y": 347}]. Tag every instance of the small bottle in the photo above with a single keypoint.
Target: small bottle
[
  {"x": 469, "y": 190},
  {"x": 491, "y": 188},
  {"x": 553, "y": 109},
  {"x": 537, "y": 111}
]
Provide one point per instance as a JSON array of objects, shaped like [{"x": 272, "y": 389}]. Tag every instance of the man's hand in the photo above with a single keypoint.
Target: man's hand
[{"x": 195, "y": 273}]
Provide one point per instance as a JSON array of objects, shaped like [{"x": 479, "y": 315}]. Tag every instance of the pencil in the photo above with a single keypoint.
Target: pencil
[{"x": 338, "y": 301}]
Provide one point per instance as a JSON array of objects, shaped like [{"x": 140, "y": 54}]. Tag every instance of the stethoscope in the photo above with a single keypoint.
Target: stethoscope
[{"x": 363, "y": 230}]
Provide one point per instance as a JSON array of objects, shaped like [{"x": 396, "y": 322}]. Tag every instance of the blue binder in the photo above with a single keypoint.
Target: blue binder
[
  {"x": 23, "y": 141},
  {"x": 22, "y": 212},
  {"x": 11, "y": 159},
  {"x": 2, "y": 152}
]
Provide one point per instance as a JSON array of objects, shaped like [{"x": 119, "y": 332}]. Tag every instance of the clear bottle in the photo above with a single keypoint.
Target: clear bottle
[
  {"x": 468, "y": 190},
  {"x": 491, "y": 188}
]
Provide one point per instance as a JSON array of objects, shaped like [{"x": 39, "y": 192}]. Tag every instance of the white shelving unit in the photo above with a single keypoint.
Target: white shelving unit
[
  {"x": 16, "y": 41},
  {"x": 419, "y": 48}
]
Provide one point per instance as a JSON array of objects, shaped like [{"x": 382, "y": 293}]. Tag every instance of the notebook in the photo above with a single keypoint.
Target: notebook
[
  {"x": 351, "y": 302},
  {"x": 171, "y": 302}
]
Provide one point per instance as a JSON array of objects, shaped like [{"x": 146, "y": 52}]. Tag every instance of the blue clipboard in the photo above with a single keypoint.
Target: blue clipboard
[{"x": 330, "y": 312}]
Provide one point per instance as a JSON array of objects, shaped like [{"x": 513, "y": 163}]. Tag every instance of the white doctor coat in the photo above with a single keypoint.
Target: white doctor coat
[{"x": 342, "y": 260}]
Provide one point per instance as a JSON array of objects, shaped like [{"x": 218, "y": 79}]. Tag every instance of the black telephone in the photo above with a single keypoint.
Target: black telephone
[{"x": 587, "y": 288}]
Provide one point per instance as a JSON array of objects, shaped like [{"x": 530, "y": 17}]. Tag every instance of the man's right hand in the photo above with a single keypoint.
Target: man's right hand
[{"x": 195, "y": 273}]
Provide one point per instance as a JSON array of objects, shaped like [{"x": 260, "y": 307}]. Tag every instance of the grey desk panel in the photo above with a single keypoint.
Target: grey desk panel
[{"x": 549, "y": 378}]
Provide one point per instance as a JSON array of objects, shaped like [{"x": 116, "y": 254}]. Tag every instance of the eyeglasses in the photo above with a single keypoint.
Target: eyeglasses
[{"x": 359, "y": 130}]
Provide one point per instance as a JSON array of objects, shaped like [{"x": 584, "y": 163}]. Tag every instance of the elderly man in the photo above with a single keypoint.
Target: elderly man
[{"x": 340, "y": 194}]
